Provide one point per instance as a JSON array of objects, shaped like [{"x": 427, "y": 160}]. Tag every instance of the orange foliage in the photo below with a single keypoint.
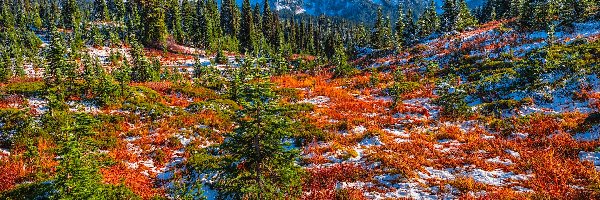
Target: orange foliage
[
  {"x": 138, "y": 183},
  {"x": 12, "y": 170},
  {"x": 322, "y": 181},
  {"x": 542, "y": 126},
  {"x": 554, "y": 176}
]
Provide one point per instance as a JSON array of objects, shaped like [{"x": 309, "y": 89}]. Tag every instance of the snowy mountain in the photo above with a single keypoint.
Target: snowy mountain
[{"x": 357, "y": 10}]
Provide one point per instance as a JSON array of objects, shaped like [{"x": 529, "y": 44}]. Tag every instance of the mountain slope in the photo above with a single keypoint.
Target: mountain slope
[{"x": 356, "y": 10}]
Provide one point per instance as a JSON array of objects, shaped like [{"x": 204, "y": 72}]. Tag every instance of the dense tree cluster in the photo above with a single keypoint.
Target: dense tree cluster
[
  {"x": 539, "y": 14},
  {"x": 255, "y": 30},
  {"x": 214, "y": 26}
]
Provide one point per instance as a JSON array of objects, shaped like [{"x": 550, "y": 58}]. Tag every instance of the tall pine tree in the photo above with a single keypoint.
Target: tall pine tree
[
  {"x": 247, "y": 35},
  {"x": 465, "y": 18},
  {"x": 257, "y": 164},
  {"x": 142, "y": 71},
  {"x": 101, "y": 10},
  {"x": 228, "y": 17},
  {"x": 449, "y": 16},
  {"x": 155, "y": 29},
  {"x": 57, "y": 62},
  {"x": 70, "y": 13},
  {"x": 118, "y": 10},
  {"x": 428, "y": 22},
  {"x": 377, "y": 35},
  {"x": 410, "y": 29}
]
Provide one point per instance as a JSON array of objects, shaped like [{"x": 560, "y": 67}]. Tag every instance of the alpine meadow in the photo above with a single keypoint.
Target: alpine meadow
[{"x": 299, "y": 99}]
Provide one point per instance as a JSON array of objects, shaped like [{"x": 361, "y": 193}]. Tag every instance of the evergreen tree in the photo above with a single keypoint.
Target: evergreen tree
[
  {"x": 330, "y": 44},
  {"x": 134, "y": 21},
  {"x": 257, "y": 17},
  {"x": 101, "y": 10},
  {"x": 256, "y": 163},
  {"x": 247, "y": 35},
  {"x": 55, "y": 17},
  {"x": 70, "y": 13},
  {"x": 465, "y": 18},
  {"x": 269, "y": 26},
  {"x": 155, "y": 30},
  {"x": 527, "y": 14},
  {"x": 188, "y": 18},
  {"x": 57, "y": 62},
  {"x": 77, "y": 174},
  {"x": 572, "y": 11},
  {"x": 514, "y": 9},
  {"x": 340, "y": 61},
  {"x": 597, "y": 6},
  {"x": 410, "y": 29},
  {"x": 428, "y": 22},
  {"x": 5, "y": 71},
  {"x": 9, "y": 36},
  {"x": 568, "y": 12},
  {"x": 260, "y": 41},
  {"x": 96, "y": 36},
  {"x": 277, "y": 39},
  {"x": 90, "y": 72},
  {"x": 388, "y": 36},
  {"x": 37, "y": 21},
  {"x": 175, "y": 21},
  {"x": 449, "y": 16},
  {"x": 142, "y": 70},
  {"x": 119, "y": 10},
  {"x": 212, "y": 21},
  {"x": 77, "y": 41},
  {"x": 202, "y": 28},
  {"x": 123, "y": 76},
  {"x": 497, "y": 9},
  {"x": 228, "y": 17},
  {"x": 541, "y": 17},
  {"x": 377, "y": 35},
  {"x": 400, "y": 26}
]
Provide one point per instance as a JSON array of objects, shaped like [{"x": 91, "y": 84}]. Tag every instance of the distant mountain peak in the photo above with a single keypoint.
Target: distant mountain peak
[{"x": 356, "y": 10}]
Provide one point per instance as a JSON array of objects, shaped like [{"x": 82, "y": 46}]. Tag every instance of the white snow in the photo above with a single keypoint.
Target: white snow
[
  {"x": 593, "y": 157},
  {"x": 495, "y": 178},
  {"x": 520, "y": 135},
  {"x": 590, "y": 135},
  {"x": 497, "y": 160},
  {"x": 319, "y": 100},
  {"x": 403, "y": 190},
  {"x": 83, "y": 106},
  {"x": 513, "y": 153},
  {"x": 396, "y": 132},
  {"x": 5, "y": 152},
  {"x": 359, "y": 129},
  {"x": 40, "y": 105},
  {"x": 371, "y": 141},
  {"x": 132, "y": 138},
  {"x": 432, "y": 173}
]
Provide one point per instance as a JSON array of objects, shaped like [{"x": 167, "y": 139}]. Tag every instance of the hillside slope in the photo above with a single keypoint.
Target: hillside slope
[{"x": 357, "y": 10}]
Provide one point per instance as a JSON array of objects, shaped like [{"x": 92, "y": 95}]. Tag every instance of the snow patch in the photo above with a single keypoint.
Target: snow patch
[
  {"x": 495, "y": 178},
  {"x": 319, "y": 100},
  {"x": 359, "y": 129},
  {"x": 593, "y": 157},
  {"x": 497, "y": 160},
  {"x": 371, "y": 141},
  {"x": 590, "y": 135}
]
